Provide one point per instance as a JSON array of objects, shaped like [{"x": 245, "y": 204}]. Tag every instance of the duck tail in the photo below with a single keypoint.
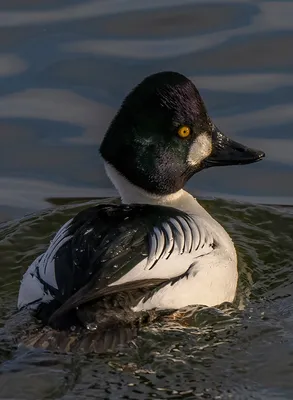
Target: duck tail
[{"x": 84, "y": 341}]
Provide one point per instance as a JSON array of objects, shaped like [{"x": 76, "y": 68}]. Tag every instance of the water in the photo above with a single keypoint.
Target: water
[{"x": 64, "y": 69}]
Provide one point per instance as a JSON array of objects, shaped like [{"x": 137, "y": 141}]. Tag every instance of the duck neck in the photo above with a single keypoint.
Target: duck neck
[{"x": 132, "y": 194}]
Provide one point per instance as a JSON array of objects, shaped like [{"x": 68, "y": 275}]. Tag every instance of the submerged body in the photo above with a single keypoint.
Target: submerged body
[{"x": 159, "y": 249}]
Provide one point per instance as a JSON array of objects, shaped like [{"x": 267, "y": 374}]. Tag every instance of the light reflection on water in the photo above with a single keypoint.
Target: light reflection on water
[
  {"x": 64, "y": 70},
  {"x": 242, "y": 350}
]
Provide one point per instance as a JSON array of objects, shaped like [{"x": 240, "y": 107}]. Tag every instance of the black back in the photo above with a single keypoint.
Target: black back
[{"x": 107, "y": 241}]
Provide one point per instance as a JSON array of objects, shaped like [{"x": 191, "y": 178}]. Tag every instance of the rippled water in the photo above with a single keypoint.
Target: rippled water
[
  {"x": 242, "y": 350},
  {"x": 64, "y": 69}
]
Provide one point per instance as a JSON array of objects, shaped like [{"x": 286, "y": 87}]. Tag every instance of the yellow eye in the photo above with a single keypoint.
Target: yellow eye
[{"x": 184, "y": 131}]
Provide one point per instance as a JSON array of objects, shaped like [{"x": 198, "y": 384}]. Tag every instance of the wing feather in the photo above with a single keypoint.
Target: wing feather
[
  {"x": 153, "y": 245},
  {"x": 178, "y": 234},
  {"x": 160, "y": 242},
  {"x": 113, "y": 248}
]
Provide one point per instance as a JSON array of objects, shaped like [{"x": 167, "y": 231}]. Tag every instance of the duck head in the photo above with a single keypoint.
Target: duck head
[{"x": 162, "y": 135}]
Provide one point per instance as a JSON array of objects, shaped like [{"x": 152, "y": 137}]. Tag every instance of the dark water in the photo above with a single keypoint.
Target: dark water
[{"x": 64, "y": 69}]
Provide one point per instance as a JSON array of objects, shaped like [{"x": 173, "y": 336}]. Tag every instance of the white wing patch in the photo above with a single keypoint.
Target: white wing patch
[
  {"x": 32, "y": 291},
  {"x": 173, "y": 248}
]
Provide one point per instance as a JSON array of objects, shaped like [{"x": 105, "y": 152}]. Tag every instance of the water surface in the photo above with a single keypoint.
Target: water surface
[{"x": 64, "y": 69}]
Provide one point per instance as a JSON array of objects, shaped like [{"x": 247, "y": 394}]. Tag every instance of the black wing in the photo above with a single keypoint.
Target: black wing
[{"x": 108, "y": 241}]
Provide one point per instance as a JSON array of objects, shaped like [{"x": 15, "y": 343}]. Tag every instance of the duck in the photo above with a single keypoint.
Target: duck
[{"x": 158, "y": 249}]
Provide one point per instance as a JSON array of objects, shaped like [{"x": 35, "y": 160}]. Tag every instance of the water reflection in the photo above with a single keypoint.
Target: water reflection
[
  {"x": 64, "y": 81},
  {"x": 64, "y": 68},
  {"x": 11, "y": 64},
  {"x": 32, "y": 194},
  {"x": 225, "y": 353},
  {"x": 89, "y": 9},
  {"x": 271, "y": 15},
  {"x": 244, "y": 82},
  {"x": 56, "y": 105}
]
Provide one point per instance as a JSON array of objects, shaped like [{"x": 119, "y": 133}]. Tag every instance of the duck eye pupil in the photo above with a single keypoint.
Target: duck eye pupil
[{"x": 184, "y": 131}]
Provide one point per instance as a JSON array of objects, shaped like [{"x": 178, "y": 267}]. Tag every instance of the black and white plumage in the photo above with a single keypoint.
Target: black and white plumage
[
  {"x": 112, "y": 265},
  {"x": 107, "y": 249}
]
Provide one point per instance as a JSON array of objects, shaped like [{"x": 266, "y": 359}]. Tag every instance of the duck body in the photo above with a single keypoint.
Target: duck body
[
  {"x": 159, "y": 249},
  {"x": 167, "y": 257}
]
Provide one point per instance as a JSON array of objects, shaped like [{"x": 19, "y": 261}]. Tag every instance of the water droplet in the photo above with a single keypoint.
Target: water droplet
[{"x": 91, "y": 326}]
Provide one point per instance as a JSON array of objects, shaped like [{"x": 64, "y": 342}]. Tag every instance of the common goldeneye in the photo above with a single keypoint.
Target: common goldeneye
[{"x": 159, "y": 249}]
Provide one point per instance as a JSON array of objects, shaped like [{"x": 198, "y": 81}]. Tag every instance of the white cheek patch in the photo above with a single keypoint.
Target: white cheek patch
[{"x": 200, "y": 149}]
